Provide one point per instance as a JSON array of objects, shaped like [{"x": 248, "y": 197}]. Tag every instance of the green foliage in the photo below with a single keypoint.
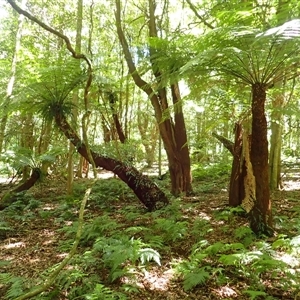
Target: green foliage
[
  {"x": 213, "y": 171},
  {"x": 206, "y": 261},
  {"x": 100, "y": 226},
  {"x": 16, "y": 285},
  {"x": 20, "y": 157},
  {"x": 245, "y": 234},
  {"x": 53, "y": 90},
  {"x": 130, "y": 152},
  {"x": 171, "y": 230},
  {"x": 119, "y": 251},
  {"x": 200, "y": 228},
  {"x": 254, "y": 294},
  {"x": 195, "y": 277},
  {"x": 101, "y": 292}
]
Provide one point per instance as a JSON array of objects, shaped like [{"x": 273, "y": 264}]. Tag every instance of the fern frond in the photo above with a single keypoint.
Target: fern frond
[{"x": 194, "y": 278}]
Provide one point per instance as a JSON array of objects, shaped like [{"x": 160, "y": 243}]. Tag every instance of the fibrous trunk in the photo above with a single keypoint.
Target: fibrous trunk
[
  {"x": 260, "y": 215},
  {"x": 146, "y": 191}
]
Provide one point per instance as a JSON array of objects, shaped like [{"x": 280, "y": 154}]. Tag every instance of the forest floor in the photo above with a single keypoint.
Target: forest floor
[{"x": 199, "y": 247}]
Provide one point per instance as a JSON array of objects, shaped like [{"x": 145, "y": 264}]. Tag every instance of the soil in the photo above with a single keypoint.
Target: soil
[{"x": 31, "y": 246}]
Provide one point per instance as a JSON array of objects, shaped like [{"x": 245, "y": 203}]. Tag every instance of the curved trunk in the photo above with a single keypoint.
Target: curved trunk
[
  {"x": 10, "y": 197},
  {"x": 260, "y": 215},
  {"x": 146, "y": 190},
  {"x": 172, "y": 130}
]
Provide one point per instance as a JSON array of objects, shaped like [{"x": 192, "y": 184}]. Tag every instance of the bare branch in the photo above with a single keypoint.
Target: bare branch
[
  {"x": 50, "y": 29},
  {"x": 194, "y": 9}
]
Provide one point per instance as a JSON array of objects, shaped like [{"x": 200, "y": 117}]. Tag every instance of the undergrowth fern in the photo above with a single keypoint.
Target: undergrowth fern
[
  {"x": 101, "y": 292},
  {"x": 119, "y": 252},
  {"x": 15, "y": 285}
]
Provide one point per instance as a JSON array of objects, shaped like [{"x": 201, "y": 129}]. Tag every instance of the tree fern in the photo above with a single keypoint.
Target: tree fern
[
  {"x": 53, "y": 90},
  {"x": 249, "y": 54}
]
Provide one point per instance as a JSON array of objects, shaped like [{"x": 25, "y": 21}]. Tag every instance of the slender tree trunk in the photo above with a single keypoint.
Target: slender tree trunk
[
  {"x": 276, "y": 142},
  {"x": 11, "y": 82},
  {"x": 260, "y": 215},
  {"x": 238, "y": 170},
  {"x": 112, "y": 103},
  {"x": 146, "y": 191},
  {"x": 70, "y": 169},
  {"x": 27, "y": 141},
  {"x": 44, "y": 142},
  {"x": 180, "y": 170},
  {"x": 149, "y": 133}
]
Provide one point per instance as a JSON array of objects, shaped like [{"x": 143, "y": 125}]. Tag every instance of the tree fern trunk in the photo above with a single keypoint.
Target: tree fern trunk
[
  {"x": 146, "y": 191},
  {"x": 260, "y": 215}
]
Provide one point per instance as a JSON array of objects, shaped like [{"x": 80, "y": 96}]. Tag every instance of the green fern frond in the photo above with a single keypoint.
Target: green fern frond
[
  {"x": 254, "y": 294},
  {"x": 249, "y": 54},
  {"x": 232, "y": 259},
  {"x": 197, "y": 277},
  {"x": 148, "y": 254},
  {"x": 16, "y": 289},
  {"x": 215, "y": 248}
]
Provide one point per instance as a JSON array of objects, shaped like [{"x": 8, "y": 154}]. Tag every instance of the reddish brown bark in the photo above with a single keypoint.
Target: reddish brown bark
[
  {"x": 172, "y": 131},
  {"x": 10, "y": 197},
  {"x": 30, "y": 182},
  {"x": 146, "y": 190},
  {"x": 260, "y": 216},
  {"x": 238, "y": 170},
  {"x": 117, "y": 123},
  {"x": 180, "y": 168}
]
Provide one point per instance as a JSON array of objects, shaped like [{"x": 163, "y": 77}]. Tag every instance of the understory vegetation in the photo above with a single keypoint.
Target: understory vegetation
[
  {"x": 195, "y": 248},
  {"x": 149, "y": 150}
]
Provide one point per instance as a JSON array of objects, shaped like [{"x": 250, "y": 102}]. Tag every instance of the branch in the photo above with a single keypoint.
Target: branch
[
  {"x": 138, "y": 80},
  {"x": 141, "y": 83},
  {"x": 48, "y": 28},
  {"x": 50, "y": 280},
  {"x": 227, "y": 143},
  {"x": 67, "y": 42},
  {"x": 193, "y": 8}
]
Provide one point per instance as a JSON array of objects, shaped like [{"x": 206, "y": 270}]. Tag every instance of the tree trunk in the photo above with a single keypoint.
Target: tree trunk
[
  {"x": 70, "y": 169},
  {"x": 146, "y": 191},
  {"x": 112, "y": 103},
  {"x": 260, "y": 215},
  {"x": 27, "y": 141},
  {"x": 238, "y": 169},
  {"x": 149, "y": 133},
  {"x": 173, "y": 132},
  {"x": 180, "y": 168},
  {"x": 10, "y": 197},
  {"x": 44, "y": 143},
  {"x": 10, "y": 85},
  {"x": 275, "y": 142}
]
